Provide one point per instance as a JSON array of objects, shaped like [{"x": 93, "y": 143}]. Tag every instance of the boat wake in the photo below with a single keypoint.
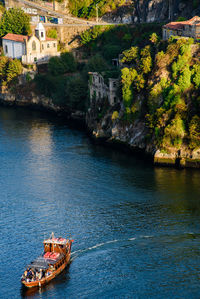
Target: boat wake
[{"x": 79, "y": 252}]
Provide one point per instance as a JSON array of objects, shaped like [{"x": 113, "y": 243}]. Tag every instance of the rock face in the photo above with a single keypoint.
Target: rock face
[
  {"x": 163, "y": 10},
  {"x": 142, "y": 11},
  {"x": 134, "y": 136},
  {"x": 40, "y": 102}
]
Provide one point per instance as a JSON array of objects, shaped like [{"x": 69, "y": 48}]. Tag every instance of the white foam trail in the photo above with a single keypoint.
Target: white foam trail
[
  {"x": 74, "y": 252},
  {"x": 78, "y": 252},
  {"x": 95, "y": 246}
]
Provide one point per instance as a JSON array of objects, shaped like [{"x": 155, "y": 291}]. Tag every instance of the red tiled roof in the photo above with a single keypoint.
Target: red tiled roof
[
  {"x": 174, "y": 25},
  {"x": 179, "y": 25},
  {"x": 15, "y": 37},
  {"x": 49, "y": 39}
]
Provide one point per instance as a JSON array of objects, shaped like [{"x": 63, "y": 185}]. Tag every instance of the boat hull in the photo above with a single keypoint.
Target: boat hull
[{"x": 45, "y": 280}]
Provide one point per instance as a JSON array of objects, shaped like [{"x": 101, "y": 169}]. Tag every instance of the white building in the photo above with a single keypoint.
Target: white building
[
  {"x": 99, "y": 89},
  {"x": 30, "y": 49}
]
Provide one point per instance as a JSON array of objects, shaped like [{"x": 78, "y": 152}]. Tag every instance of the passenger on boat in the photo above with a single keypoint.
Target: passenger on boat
[{"x": 37, "y": 275}]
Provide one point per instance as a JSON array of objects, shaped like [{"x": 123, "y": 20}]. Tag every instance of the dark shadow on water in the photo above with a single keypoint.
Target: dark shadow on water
[{"x": 62, "y": 278}]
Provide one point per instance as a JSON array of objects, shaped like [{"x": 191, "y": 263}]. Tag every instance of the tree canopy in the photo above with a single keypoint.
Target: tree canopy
[{"x": 15, "y": 21}]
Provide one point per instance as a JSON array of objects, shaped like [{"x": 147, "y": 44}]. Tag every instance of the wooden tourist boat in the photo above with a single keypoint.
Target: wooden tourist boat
[{"x": 56, "y": 257}]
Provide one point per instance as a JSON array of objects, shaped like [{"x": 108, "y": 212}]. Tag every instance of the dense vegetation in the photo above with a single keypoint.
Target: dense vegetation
[
  {"x": 169, "y": 74},
  {"x": 110, "y": 41},
  {"x": 63, "y": 83},
  {"x": 67, "y": 81},
  {"x": 9, "y": 70},
  {"x": 160, "y": 81},
  {"x": 15, "y": 21},
  {"x": 88, "y": 8}
]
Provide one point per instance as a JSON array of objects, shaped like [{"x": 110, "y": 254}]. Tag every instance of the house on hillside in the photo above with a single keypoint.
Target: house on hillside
[
  {"x": 101, "y": 87},
  {"x": 190, "y": 28},
  {"x": 30, "y": 49}
]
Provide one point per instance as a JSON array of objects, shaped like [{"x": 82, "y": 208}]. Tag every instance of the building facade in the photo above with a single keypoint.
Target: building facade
[
  {"x": 30, "y": 49},
  {"x": 99, "y": 89},
  {"x": 190, "y": 28}
]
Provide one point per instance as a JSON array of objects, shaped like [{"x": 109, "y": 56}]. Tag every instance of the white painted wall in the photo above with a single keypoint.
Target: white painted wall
[{"x": 15, "y": 49}]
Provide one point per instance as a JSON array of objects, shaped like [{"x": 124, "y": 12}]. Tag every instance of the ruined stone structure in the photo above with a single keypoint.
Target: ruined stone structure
[{"x": 99, "y": 89}]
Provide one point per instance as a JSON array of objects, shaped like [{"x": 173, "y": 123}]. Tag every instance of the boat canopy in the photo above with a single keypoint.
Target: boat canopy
[
  {"x": 41, "y": 263},
  {"x": 60, "y": 241}
]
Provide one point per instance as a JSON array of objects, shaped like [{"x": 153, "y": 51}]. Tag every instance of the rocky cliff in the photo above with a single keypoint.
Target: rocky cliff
[
  {"x": 158, "y": 112},
  {"x": 133, "y": 136},
  {"x": 142, "y": 11}
]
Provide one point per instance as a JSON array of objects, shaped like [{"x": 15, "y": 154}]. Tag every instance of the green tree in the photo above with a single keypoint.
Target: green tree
[
  {"x": 15, "y": 21},
  {"x": 14, "y": 69},
  {"x": 146, "y": 60},
  {"x": 3, "y": 67},
  {"x": 68, "y": 61},
  {"x": 97, "y": 64},
  {"x": 174, "y": 132},
  {"x": 52, "y": 33},
  {"x": 129, "y": 56},
  {"x": 76, "y": 93},
  {"x": 194, "y": 129},
  {"x": 55, "y": 66},
  {"x": 128, "y": 76}
]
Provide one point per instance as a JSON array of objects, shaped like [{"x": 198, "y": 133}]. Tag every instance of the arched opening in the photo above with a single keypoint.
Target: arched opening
[{"x": 33, "y": 46}]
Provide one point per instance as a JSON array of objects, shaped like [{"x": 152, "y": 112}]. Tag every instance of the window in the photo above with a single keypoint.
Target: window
[
  {"x": 54, "y": 44},
  {"x": 6, "y": 49},
  {"x": 47, "y": 45},
  {"x": 42, "y": 34},
  {"x": 35, "y": 59},
  {"x": 33, "y": 46},
  {"x": 42, "y": 47}
]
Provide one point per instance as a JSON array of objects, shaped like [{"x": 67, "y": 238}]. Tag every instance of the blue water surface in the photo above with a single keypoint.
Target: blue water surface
[{"x": 136, "y": 228}]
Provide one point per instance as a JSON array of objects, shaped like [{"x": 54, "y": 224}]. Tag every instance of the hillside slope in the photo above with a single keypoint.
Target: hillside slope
[{"x": 160, "y": 108}]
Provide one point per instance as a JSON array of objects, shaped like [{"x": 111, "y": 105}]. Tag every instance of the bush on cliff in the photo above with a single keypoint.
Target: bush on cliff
[
  {"x": 116, "y": 38},
  {"x": 15, "y": 21},
  {"x": 88, "y": 8},
  {"x": 194, "y": 130},
  {"x": 52, "y": 33},
  {"x": 9, "y": 70},
  {"x": 63, "y": 64},
  {"x": 165, "y": 77}
]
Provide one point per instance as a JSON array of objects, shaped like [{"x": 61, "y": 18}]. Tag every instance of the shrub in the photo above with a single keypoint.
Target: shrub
[
  {"x": 115, "y": 115},
  {"x": 96, "y": 64},
  {"x": 174, "y": 132},
  {"x": 128, "y": 76},
  {"x": 68, "y": 61},
  {"x": 52, "y": 33},
  {"x": 14, "y": 68},
  {"x": 55, "y": 66},
  {"x": 111, "y": 51},
  {"x": 194, "y": 129},
  {"x": 196, "y": 75},
  {"x": 129, "y": 56},
  {"x": 184, "y": 81},
  {"x": 76, "y": 93},
  {"x": 146, "y": 60},
  {"x": 154, "y": 38}
]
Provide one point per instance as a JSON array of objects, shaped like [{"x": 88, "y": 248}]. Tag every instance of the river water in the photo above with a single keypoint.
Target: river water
[{"x": 136, "y": 228}]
